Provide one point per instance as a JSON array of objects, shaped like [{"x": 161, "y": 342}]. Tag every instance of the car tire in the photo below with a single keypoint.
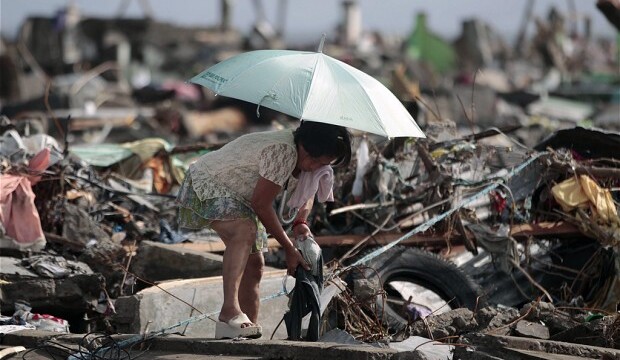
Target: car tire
[{"x": 421, "y": 268}]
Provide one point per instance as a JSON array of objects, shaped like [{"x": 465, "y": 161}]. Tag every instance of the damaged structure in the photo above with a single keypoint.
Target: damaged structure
[{"x": 497, "y": 236}]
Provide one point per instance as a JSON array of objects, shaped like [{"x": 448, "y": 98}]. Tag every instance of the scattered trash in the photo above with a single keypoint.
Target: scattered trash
[
  {"x": 44, "y": 322},
  {"x": 500, "y": 228}
]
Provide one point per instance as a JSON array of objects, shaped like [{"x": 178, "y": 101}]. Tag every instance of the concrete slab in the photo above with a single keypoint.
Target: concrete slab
[
  {"x": 560, "y": 348},
  {"x": 532, "y": 329},
  {"x": 184, "y": 347},
  {"x": 73, "y": 294},
  {"x": 276, "y": 349},
  {"x": 11, "y": 266},
  {"x": 181, "y": 347},
  {"x": 157, "y": 261},
  {"x": 168, "y": 305},
  {"x": 497, "y": 344},
  {"x": 43, "y": 354},
  {"x": 534, "y": 355}
]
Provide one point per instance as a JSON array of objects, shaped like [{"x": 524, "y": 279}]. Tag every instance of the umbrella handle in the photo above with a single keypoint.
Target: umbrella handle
[
  {"x": 281, "y": 210},
  {"x": 270, "y": 95}
]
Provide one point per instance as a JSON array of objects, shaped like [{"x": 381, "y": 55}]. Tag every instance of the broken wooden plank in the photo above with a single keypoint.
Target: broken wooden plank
[
  {"x": 523, "y": 231},
  {"x": 63, "y": 241},
  {"x": 328, "y": 241},
  {"x": 544, "y": 229},
  {"x": 216, "y": 245}
]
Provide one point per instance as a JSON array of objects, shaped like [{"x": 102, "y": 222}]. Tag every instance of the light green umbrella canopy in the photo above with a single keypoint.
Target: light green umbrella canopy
[{"x": 311, "y": 86}]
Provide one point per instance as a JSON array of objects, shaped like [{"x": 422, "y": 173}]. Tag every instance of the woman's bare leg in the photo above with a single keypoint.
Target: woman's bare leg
[
  {"x": 248, "y": 291},
  {"x": 238, "y": 236}
]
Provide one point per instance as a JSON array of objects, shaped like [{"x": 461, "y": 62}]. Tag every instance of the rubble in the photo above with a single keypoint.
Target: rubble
[
  {"x": 530, "y": 329},
  {"x": 173, "y": 263},
  {"x": 498, "y": 236}
]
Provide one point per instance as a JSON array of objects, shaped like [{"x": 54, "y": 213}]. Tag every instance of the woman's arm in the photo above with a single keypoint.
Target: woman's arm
[
  {"x": 264, "y": 194},
  {"x": 300, "y": 226}
]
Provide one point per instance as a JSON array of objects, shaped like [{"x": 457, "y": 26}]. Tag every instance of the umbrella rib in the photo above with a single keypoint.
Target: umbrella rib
[
  {"x": 348, "y": 68},
  {"x": 305, "y": 102}
]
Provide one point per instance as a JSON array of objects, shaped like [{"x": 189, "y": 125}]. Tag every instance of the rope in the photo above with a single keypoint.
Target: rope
[{"x": 139, "y": 338}]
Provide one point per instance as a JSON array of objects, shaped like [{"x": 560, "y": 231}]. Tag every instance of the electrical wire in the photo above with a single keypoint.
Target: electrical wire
[{"x": 93, "y": 346}]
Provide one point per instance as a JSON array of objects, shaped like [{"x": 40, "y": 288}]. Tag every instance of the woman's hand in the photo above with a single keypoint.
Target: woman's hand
[
  {"x": 294, "y": 259},
  {"x": 301, "y": 231}
]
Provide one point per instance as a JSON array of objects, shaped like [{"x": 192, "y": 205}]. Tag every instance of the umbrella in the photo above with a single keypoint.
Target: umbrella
[{"x": 311, "y": 86}]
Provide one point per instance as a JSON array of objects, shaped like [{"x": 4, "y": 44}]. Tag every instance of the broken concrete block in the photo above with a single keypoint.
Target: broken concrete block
[
  {"x": 11, "y": 267},
  {"x": 157, "y": 261},
  {"x": 495, "y": 320},
  {"x": 532, "y": 330},
  {"x": 556, "y": 320},
  {"x": 595, "y": 333},
  {"x": 449, "y": 323},
  {"x": 499, "y": 345},
  {"x": 72, "y": 295},
  {"x": 154, "y": 309},
  {"x": 420, "y": 348}
]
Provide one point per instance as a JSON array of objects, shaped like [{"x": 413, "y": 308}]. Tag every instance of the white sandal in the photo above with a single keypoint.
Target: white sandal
[{"x": 233, "y": 328}]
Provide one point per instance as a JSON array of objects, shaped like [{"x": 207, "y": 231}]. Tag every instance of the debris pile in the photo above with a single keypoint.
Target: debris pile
[
  {"x": 498, "y": 234},
  {"x": 547, "y": 230}
]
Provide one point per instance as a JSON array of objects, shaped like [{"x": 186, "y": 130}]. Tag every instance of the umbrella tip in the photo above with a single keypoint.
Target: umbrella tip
[{"x": 321, "y": 43}]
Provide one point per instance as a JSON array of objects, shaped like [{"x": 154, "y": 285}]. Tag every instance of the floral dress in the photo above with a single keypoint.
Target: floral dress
[{"x": 220, "y": 184}]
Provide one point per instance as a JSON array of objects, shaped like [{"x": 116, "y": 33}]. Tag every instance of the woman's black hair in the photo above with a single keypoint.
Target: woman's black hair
[{"x": 320, "y": 139}]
